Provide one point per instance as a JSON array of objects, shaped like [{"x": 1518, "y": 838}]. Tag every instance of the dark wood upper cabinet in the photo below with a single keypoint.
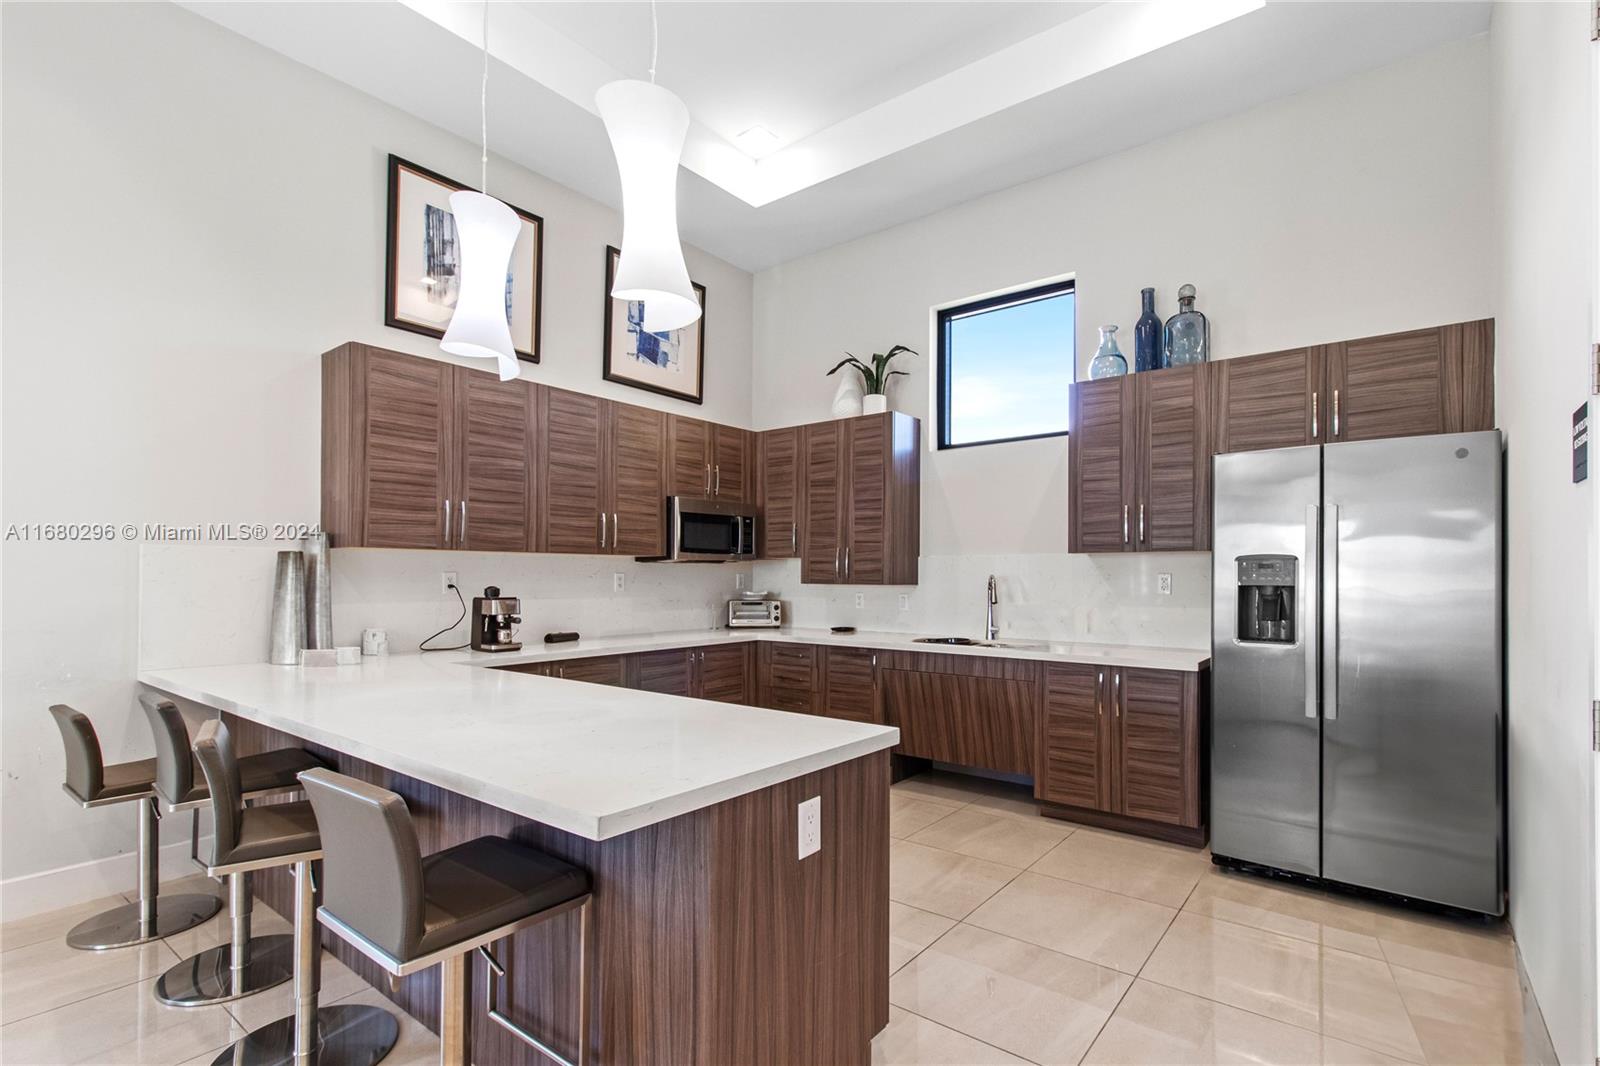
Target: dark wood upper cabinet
[
  {"x": 778, "y": 492},
  {"x": 636, "y": 486},
  {"x": 1269, "y": 401},
  {"x": 850, "y": 684},
  {"x": 1100, "y": 466},
  {"x": 1438, "y": 380},
  {"x": 418, "y": 453},
  {"x": 732, "y": 467},
  {"x": 689, "y": 457},
  {"x": 495, "y": 425},
  {"x": 572, "y": 457},
  {"x": 1171, "y": 507},
  {"x": 862, "y": 509}
]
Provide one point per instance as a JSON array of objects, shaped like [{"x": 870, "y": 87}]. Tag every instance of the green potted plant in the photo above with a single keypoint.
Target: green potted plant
[{"x": 874, "y": 377}]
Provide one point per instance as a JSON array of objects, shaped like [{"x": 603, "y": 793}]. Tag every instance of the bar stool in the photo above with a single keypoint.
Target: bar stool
[
  {"x": 92, "y": 783},
  {"x": 282, "y": 834},
  {"x": 246, "y": 964},
  {"x": 407, "y": 913}
]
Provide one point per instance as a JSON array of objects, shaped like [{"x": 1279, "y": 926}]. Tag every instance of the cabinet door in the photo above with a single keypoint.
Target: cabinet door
[
  {"x": 494, "y": 433},
  {"x": 1275, "y": 400},
  {"x": 725, "y": 673},
  {"x": 572, "y": 426},
  {"x": 689, "y": 473},
  {"x": 409, "y": 454},
  {"x": 1173, "y": 512},
  {"x": 1157, "y": 743},
  {"x": 985, "y": 722},
  {"x": 1390, "y": 386},
  {"x": 730, "y": 465},
  {"x": 597, "y": 670},
  {"x": 1100, "y": 460},
  {"x": 850, "y": 687},
  {"x": 780, "y": 493},
  {"x": 821, "y": 547},
  {"x": 664, "y": 671},
  {"x": 789, "y": 677},
  {"x": 637, "y": 485},
  {"x": 866, "y": 541},
  {"x": 1075, "y": 738}
]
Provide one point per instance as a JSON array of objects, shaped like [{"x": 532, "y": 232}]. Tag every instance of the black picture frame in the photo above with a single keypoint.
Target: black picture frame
[
  {"x": 391, "y": 312},
  {"x": 698, "y": 396}
]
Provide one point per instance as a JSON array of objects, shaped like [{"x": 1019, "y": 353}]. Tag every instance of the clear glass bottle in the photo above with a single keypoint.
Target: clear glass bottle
[
  {"x": 1188, "y": 335},
  {"x": 1108, "y": 361},
  {"x": 1147, "y": 334}
]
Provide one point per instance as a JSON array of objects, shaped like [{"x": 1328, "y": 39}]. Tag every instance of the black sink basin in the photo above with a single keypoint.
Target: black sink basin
[{"x": 964, "y": 641}]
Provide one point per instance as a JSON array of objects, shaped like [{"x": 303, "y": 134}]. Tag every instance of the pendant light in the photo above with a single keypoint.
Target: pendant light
[
  {"x": 486, "y": 233},
  {"x": 647, "y": 124}
]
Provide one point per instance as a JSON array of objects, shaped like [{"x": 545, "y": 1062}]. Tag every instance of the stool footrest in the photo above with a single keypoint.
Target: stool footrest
[{"x": 503, "y": 1020}]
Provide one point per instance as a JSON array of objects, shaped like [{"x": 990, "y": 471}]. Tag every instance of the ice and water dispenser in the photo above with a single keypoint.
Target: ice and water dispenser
[{"x": 1267, "y": 591}]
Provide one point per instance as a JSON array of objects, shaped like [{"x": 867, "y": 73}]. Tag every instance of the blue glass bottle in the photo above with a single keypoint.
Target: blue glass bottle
[
  {"x": 1108, "y": 361},
  {"x": 1188, "y": 335},
  {"x": 1147, "y": 334}
]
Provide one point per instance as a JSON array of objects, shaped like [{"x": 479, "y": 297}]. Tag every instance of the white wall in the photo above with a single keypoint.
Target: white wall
[
  {"x": 1544, "y": 128},
  {"x": 190, "y": 220},
  {"x": 1357, "y": 209}
]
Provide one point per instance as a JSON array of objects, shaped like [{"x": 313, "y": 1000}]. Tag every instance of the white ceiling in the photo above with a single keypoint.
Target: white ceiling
[{"x": 883, "y": 111}]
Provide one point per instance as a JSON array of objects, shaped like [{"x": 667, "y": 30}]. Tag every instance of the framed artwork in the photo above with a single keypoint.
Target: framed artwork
[
  {"x": 672, "y": 364},
  {"x": 422, "y": 271}
]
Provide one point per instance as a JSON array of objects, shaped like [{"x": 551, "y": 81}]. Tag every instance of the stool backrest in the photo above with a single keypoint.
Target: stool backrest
[
  {"x": 85, "y": 767},
  {"x": 371, "y": 861},
  {"x": 174, "y": 763},
  {"x": 213, "y": 747}
]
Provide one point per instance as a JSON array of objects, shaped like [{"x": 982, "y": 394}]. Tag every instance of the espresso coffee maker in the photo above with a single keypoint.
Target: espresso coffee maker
[{"x": 493, "y": 615}]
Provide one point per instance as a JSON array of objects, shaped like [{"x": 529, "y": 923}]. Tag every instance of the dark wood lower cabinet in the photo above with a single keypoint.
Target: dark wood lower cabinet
[
  {"x": 964, "y": 710},
  {"x": 788, "y": 677},
  {"x": 850, "y": 685},
  {"x": 724, "y": 673},
  {"x": 597, "y": 670},
  {"x": 670, "y": 672}
]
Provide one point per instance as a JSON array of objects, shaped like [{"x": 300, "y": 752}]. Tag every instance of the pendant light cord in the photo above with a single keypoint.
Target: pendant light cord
[
  {"x": 483, "y": 107},
  {"x": 655, "y": 40}
]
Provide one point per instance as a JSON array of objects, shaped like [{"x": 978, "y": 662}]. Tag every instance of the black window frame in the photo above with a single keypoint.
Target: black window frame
[{"x": 990, "y": 303}]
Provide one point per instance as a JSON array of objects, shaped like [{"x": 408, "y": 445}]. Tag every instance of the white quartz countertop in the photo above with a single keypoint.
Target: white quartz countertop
[
  {"x": 1132, "y": 656},
  {"x": 589, "y": 759}
]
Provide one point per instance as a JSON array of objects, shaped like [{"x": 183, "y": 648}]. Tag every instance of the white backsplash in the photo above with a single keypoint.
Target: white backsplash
[{"x": 1107, "y": 599}]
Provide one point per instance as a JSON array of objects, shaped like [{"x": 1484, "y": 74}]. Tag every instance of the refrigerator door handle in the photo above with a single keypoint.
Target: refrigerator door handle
[
  {"x": 1308, "y": 606},
  {"x": 1330, "y": 612}
]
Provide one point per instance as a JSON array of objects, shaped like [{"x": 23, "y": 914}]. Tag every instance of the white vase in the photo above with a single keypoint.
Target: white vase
[
  {"x": 847, "y": 397},
  {"x": 874, "y": 403}
]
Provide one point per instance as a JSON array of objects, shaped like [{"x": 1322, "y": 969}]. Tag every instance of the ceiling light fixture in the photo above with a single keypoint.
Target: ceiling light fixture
[
  {"x": 486, "y": 233},
  {"x": 647, "y": 124}
]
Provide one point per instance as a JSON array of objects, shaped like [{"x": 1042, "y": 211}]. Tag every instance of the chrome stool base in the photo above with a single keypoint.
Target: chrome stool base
[
  {"x": 123, "y": 926},
  {"x": 347, "y": 1035},
  {"x": 208, "y": 977}
]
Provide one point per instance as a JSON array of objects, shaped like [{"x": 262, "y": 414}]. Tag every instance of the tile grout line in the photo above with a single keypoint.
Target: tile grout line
[{"x": 969, "y": 1036}]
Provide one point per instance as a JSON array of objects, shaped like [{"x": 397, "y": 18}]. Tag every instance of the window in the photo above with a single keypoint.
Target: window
[{"x": 1005, "y": 363}]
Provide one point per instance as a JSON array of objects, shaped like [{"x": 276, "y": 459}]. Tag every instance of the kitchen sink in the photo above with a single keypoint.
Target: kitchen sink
[{"x": 965, "y": 642}]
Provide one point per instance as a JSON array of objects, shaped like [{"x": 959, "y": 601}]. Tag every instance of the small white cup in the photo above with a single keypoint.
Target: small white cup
[{"x": 374, "y": 642}]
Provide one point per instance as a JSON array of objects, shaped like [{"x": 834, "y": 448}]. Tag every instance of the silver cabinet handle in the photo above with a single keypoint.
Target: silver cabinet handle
[
  {"x": 1124, "y": 523},
  {"x": 1116, "y": 697},
  {"x": 716, "y": 484},
  {"x": 1308, "y": 606},
  {"x": 1335, "y": 413},
  {"x": 794, "y": 537},
  {"x": 602, "y": 529},
  {"x": 1330, "y": 613},
  {"x": 874, "y": 659},
  {"x": 447, "y": 523},
  {"x": 616, "y": 529},
  {"x": 1314, "y": 424},
  {"x": 836, "y": 551},
  {"x": 1100, "y": 693},
  {"x": 1141, "y": 523},
  {"x": 847, "y": 560},
  {"x": 461, "y": 534},
  {"x": 708, "y": 479}
]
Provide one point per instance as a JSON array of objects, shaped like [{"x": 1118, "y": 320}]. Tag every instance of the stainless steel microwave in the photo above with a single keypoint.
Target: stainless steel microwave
[{"x": 709, "y": 531}]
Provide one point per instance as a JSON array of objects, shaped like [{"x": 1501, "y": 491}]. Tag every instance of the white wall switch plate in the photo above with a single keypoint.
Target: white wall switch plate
[
  {"x": 905, "y": 602},
  {"x": 446, "y": 579},
  {"x": 861, "y": 599},
  {"x": 811, "y": 826},
  {"x": 1164, "y": 584},
  {"x": 618, "y": 582}
]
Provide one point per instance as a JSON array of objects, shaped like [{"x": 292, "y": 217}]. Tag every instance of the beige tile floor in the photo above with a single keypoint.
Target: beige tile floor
[{"x": 1012, "y": 939}]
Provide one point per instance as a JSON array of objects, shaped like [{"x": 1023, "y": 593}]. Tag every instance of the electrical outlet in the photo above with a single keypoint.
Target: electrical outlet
[
  {"x": 861, "y": 599},
  {"x": 1164, "y": 584},
  {"x": 447, "y": 578},
  {"x": 811, "y": 826},
  {"x": 618, "y": 583},
  {"x": 905, "y": 602}
]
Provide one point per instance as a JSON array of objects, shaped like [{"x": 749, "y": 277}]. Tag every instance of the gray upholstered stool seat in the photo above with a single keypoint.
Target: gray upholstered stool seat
[
  {"x": 408, "y": 913},
  {"x": 245, "y": 839},
  {"x": 245, "y": 964},
  {"x": 91, "y": 783}
]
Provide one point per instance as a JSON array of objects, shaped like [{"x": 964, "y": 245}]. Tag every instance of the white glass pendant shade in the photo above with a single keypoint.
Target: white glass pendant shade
[
  {"x": 647, "y": 124},
  {"x": 486, "y": 232}
]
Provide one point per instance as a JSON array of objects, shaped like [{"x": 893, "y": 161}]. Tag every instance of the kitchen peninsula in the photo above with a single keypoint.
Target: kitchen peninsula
[{"x": 714, "y": 941}]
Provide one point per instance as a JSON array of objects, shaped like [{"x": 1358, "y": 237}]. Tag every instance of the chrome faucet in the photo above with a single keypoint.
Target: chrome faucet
[{"x": 990, "y": 600}]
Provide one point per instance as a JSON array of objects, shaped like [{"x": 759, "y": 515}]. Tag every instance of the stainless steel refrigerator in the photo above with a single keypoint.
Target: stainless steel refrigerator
[{"x": 1357, "y": 721}]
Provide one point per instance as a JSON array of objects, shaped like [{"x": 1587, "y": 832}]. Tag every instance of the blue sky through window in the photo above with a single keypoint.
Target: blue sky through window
[{"x": 1009, "y": 370}]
